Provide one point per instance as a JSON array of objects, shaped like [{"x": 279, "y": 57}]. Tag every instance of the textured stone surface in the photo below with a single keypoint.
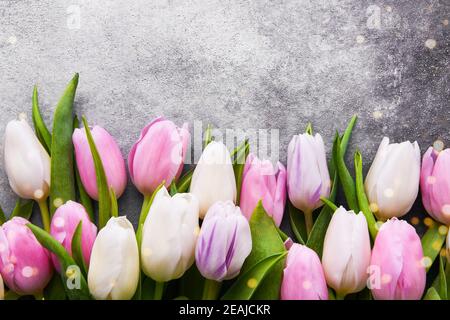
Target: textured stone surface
[{"x": 236, "y": 64}]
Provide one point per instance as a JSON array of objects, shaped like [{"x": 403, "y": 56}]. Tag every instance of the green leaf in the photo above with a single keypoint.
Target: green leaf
[
  {"x": 309, "y": 129},
  {"x": 11, "y": 295},
  {"x": 348, "y": 185},
  {"x": 62, "y": 185},
  {"x": 185, "y": 181},
  {"x": 83, "y": 196},
  {"x": 77, "y": 250},
  {"x": 2, "y": 216},
  {"x": 297, "y": 222},
  {"x": 55, "y": 289},
  {"x": 362, "y": 198},
  {"x": 114, "y": 205},
  {"x": 432, "y": 295},
  {"x": 104, "y": 200},
  {"x": 191, "y": 284},
  {"x": 432, "y": 242},
  {"x": 246, "y": 285},
  {"x": 23, "y": 208},
  {"x": 148, "y": 288},
  {"x": 283, "y": 235},
  {"x": 42, "y": 132},
  {"x": 238, "y": 166},
  {"x": 66, "y": 261},
  {"x": 208, "y": 136},
  {"x": 344, "y": 143},
  {"x": 173, "y": 188},
  {"x": 265, "y": 242},
  {"x": 442, "y": 279},
  {"x": 329, "y": 204}
]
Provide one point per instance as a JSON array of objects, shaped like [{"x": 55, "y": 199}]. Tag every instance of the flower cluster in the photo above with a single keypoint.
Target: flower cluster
[{"x": 220, "y": 220}]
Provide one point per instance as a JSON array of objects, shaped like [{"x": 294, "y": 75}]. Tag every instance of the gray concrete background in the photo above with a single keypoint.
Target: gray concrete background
[{"x": 235, "y": 64}]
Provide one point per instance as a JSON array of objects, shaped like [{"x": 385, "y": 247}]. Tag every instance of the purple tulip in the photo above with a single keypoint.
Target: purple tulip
[
  {"x": 65, "y": 221},
  {"x": 112, "y": 159},
  {"x": 435, "y": 184},
  {"x": 224, "y": 242},
  {"x": 397, "y": 269},
  {"x": 261, "y": 180},
  {"x": 303, "y": 276},
  {"x": 158, "y": 155},
  {"x": 307, "y": 172},
  {"x": 24, "y": 264}
]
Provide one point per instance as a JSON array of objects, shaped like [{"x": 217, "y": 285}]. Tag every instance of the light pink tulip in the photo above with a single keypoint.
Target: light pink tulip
[
  {"x": 303, "y": 277},
  {"x": 435, "y": 184},
  {"x": 307, "y": 172},
  {"x": 397, "y": 271},
  {"x": 111, "y": 157},
  {"x": 65, "y": 221},
  {"x": 158, "y": 155},
  {"x": 261, "y": 181},
  {"x": 24, "y": 264}
]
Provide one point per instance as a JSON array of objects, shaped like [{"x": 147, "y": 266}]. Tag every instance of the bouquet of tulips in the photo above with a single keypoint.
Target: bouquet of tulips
[{"x": 213, "y": 231}]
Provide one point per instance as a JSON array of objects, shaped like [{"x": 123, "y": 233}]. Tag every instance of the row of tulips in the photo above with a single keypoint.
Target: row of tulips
[{"x": 210, "y": 218}]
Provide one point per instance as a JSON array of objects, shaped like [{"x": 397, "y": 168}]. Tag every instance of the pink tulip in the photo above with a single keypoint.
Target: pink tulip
[
  {"x": 111, "y": 157},
  {"x": 261, "y": 180},
  {"x": 65, "y": 221},
  {"x": 158, "y": 155},
  {"x": 303, "y": 277},
  {"x": 397, "y": 271},
  {"x": 435, "y": 184},
  {"x": 24, "y": 264}
]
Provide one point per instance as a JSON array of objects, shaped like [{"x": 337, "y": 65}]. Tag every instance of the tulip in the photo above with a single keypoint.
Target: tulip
[
  {"x": 224, "y": 242},
  {"x": 307, "y": 174},
  {"x": 398, "y": 271},
  {"x": 65, "y": 221},
  {"x": 158, "y": 155},
  {"x": 213, "y": 178},
  {"x": 346, "y": 252},
  {"x": 112, "y": 160},
  {"x": 27, "y": 163},
  {"x": 392, "y": 182},
  {"x": 435, "y": 184},
  {"x": 25, "y": 265},
  {"x": 303, "y": 277},
  {"x": 169, "y": 236},
  {"x": 114, "y": 268},
  {"x": 261, "y": 181}
]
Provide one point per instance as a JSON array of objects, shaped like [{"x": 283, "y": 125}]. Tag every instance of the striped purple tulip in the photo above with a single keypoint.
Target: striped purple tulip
[{"x": 224, "y": 242}]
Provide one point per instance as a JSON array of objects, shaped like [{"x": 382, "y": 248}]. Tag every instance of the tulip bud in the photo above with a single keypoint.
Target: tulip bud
[
  {"x": 25, "y": 265},
  {"x": 114, "y": 268},
  {"x": 392, "y": 182},
  {"x": 397, "y": 264},
  {"x": 261, "y": 180},
  {"x": 112, "y": 160},
  {"x": 224, "y": 242},
  {"x": 65, "y": 221},
  {"x": 213, "y": 178},
  {"x": 158, "y": 155},
  {"x": 346, "y": 252},
  {"x": 303, "y": 277},
  {"x": 169, "y": 236},
  {"x": 27, "y": 164},
  {"x": 435, "y": 184},
  {"x": 307, "y": 172}
]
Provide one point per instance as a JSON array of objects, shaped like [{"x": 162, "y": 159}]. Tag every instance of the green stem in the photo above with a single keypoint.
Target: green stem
[
  {"x": 308, "y": 221},
  {"x": 211, "y": 290},
  {"x": 44, "y": 214},
  {"x": 159, "y": 290},
  {"x": 340, "y": 296}
]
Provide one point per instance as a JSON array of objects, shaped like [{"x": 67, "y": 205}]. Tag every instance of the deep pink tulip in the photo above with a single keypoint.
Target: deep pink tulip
[
  {"x": 435, "y": 184},
  {"x": 24, "y": 264},
  {"x": 397, "y": 271},
  {"x": 65, "y": 221},
  {"x": 303, "y": 277},
  {"x": 112, "y": 160},
  {"x": 261, "y": 181},
  {"x": 158, "y": 155}
]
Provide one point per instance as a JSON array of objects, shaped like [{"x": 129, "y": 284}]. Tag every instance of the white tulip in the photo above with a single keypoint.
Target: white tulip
[
  {"x": 392, "y": 182},
  {"x": 27, "y": 163},
  {"x": 213, "y": 179},
  {"x": 169, "y": 236},
  {"x": 114, "y": 266},
  {"x": 346, "y": 252}
]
